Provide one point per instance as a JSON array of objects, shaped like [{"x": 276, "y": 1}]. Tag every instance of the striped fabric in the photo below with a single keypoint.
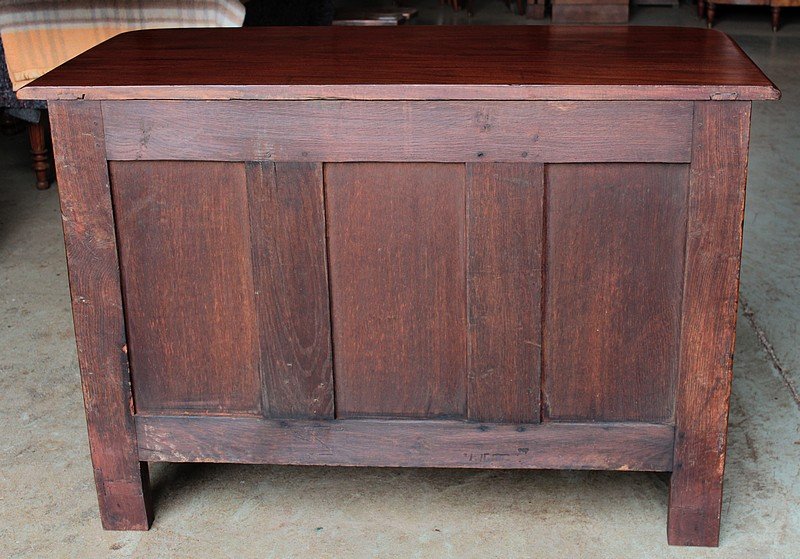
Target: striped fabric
[{"x": 39, "y": 35}]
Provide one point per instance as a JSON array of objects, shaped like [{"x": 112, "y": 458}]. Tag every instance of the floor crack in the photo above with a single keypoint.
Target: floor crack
[{"x": 770, "y": 351}]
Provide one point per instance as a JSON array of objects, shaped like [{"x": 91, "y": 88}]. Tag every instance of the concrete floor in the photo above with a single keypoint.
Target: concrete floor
[{"x": 47, "y": 501}]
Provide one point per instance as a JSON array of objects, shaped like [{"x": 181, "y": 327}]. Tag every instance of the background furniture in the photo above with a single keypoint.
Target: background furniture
[
  {"x": 375, "y": 16},
  {"x": 535, "y": 9},
  {"x": 36, "y": 36},
  {"x": 39, "y": 35},
  {"x": 316, "y": 259},
  {"x": 470, "y": 5},
  {"x": 590, "y": 11},
  {"x": 34, "y": 114},
  {"x": 775, "y": 8},
  {"x": 295, "y": 12}
]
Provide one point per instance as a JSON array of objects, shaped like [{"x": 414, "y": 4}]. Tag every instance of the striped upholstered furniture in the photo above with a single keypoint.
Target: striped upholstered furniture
[{"x": 38, "y": 35}]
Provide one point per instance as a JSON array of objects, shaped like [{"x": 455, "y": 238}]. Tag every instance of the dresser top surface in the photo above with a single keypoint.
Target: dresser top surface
[{"x": 411, "y": 62}]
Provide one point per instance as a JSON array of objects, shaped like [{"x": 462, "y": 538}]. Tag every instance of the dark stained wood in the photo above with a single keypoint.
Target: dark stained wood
[
  {"x": 533, "y": 132},
  {"x": 39, "y": 135},
  {"x": 447, "y": 444},
  {"x": 188, "y": 283},
  {"x": 287, "y": 228},
  {"x": 504, "y": 272},
  {"x": 83, "y": 187},
  {"x": 502, "y": 248},
  {"x": 410, "y": 62},
  {"x": 614, "y": 278},
  {"x": 708, "y": 329},
  {"x": 398, "y": 272}
]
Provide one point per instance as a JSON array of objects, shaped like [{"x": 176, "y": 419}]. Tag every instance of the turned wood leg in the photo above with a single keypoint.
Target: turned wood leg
[
  {"x": 776, "y": 17},
  {"x": 38, "y": 133},
  {"x": 701, "y": 8},
  {"x": 710, "y": 13}
]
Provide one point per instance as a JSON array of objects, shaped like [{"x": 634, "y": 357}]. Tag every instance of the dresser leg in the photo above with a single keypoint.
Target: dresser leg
[
  {"x": 710, "y": 295},
  {"x": 124, "y": 504},
  {"x": 695, "y": 507},
  {"x": 776, "y": 17},
  {"x": 123, "y": 486}
]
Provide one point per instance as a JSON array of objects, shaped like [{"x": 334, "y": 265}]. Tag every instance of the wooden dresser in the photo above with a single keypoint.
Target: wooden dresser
[{"x": 483, "y": 247}]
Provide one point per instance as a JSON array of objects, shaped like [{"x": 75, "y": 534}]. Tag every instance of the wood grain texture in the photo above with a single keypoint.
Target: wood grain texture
[
  {"x": 287, "y": 228},
  {"x": 88, "y": 220},
  {"x": 397, "y": 267},
  {"x": 410, "y": 62},
  {"x": 399, "y": 131},
  {"x": 708, "y": 329},
  {"x": 504, "y": 282},
  {"x": 187, "y": 275},
  {"x": 408, "y": 443},
  {"x": 615, "y": 240}
]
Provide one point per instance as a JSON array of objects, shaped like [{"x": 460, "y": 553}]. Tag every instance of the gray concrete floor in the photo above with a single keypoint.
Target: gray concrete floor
[{"x": 47, "y": 500}]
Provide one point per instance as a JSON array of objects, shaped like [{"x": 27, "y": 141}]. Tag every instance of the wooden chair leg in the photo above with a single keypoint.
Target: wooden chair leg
[
  {"x": 521, "y": 7},
  {"x": 776, "y": 17},
  {"x": 701, "y": 8},
  {"x": 38, "y": 133},
  {"x": 710, "y": 13}
]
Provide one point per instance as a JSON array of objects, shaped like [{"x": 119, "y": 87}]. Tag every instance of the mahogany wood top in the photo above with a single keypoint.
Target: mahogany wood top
[{"x": 411, "y": 62}]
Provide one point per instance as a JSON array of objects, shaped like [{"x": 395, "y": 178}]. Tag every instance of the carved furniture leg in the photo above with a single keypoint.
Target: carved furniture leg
[{"x": 39, "y": 133}]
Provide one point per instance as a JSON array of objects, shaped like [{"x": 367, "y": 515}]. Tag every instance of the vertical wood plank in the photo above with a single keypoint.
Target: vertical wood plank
[
  {"x": 615, "y": 240},
  {"x": 88, "y": 220},
  {"x": 287, "y": 225},
  {"x": 504, "y": 273},
  {"x": 186, "y": 264},
  {"x": 710, "y": 298},
  {"x": 397, "y": 265}
]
